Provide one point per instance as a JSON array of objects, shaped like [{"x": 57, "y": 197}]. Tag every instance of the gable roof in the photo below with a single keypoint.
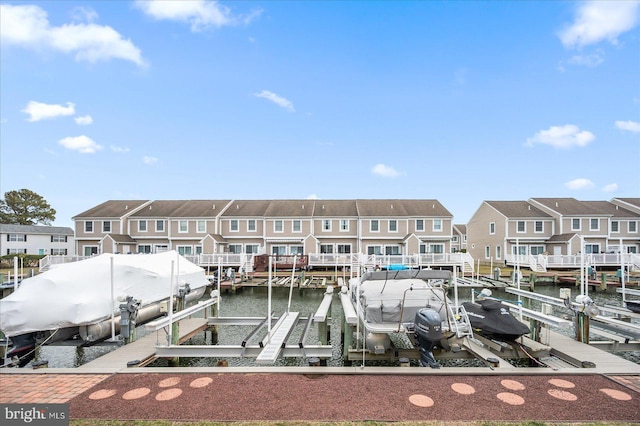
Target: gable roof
[
  {"x": 335, "y": 208},
  {"x": 462, "y": 229},
  {"x": 200, "y": 208},
  {"x": 290, "y": 208},
  {"x": 613, "y": 210},
  {"x": 35, "y": 229},
  {"x": 518, "y": 209},
  {"x": 572, "y": 207},
  {"x": 246, "y": 208},
  {"x": 111, "y": 209}
]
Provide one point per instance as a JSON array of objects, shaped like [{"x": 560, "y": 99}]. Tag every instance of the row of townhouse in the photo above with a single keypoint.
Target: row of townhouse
[
  {"x": 36, "y": 239},
  {"x": 283, "y": 227},
  {"x": 553, "y": 232}
]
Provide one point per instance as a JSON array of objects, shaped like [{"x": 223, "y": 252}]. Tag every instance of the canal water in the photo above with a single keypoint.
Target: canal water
[{"x": 253, "y": 302}]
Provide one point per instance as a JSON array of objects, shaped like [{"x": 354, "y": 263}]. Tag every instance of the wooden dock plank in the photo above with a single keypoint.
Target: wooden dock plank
[
  {"x": 143, "y": 349},
  {"x": 576, "y": 353}
]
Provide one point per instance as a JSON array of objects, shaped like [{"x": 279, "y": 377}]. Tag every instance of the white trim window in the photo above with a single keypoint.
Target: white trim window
[
  {"x": 159, "y": 225},
  {"x": 234, "y": 226},
  {"x": 235, "y": 248},
  {"x": 201, "y": 226},
  {"x": 58, "y": 238},
  {"x": 420, "y": 225},
  {"x": 251, "y": 248},
  {"x": 594, "y": 224},
  {"x": 374, "y": 250},
  {"x": 392, "y": 250},
  {"x": 278, "y": 227},
  {"x": 296, "y": 250},
  {"x": 575, "y": 224},
  {"x": 498, "y": 252},
  {"x": 492, "y": 228},
  {"x": 344, "y": 225},
  {"x": 326, "y": 248},
  {"x": 144, "y": 248},
  {"x": 633, "y": 227},
  {"x": 142, "y": 226},
  {"x": 393, "y": 225},
  {"x": 17, "y": 237},
  {"x": 436, "y": 248},
  {"x": 487, "y": 252},
  {"x": 184, "y": 250},
  {"x": 437, "y": 225},
  {"x": 58, "y": 251},
  {"x": 374, "y": 226},
  {"x": 106, "y": 226},
  {"x": 88, "y": 226},
  {"x": 343, "y": 248},
  {"x": 326, "y": 225},
  {"x": 296, "y": 226},
  {"x": 615, "y": 227},
  {"x": 538, "y": 227},
  {"x": 521, "y": 227},
  {"x": 183, "y": 226},
  {"x": 251, "y": 225}
]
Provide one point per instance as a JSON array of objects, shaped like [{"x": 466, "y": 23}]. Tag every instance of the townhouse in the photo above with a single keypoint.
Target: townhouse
[
  {"x": 550, "y": 230},
  {"x": 282, "y": 227}
]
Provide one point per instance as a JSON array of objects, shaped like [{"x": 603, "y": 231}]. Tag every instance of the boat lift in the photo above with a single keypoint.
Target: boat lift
[{"x": 268, "y": 350}]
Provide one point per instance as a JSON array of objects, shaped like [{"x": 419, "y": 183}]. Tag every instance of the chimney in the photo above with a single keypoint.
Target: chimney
[{"x": 214, "y": 206}]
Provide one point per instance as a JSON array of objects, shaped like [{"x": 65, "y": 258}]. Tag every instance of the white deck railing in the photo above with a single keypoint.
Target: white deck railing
[{"x": 556, "y": 261}]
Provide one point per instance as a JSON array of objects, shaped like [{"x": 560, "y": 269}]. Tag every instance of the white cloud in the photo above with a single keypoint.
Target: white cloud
[
  {"x": 84, "y": 120},
  {"x": 278, "y": 100},
  {"x": 578, "y": 184},
  {"x": 565, "y": 136},
  {"x": 590, "y": 60},
  {"x": 630, "y": 126},
  {"x": 29, "y": 27},
  {"x": 199, "y": 14},
  {"x": 612, "y": 187},
  {"x": 38, "y": 111},
  {"x": 600, "y": 20},
  {"x": 385, "y": 171},
  {"x": 312, "y": 197},
  {"x": 149, "y": 160},
  {"x": 118, "y": 149},
  {"x": 83, "y": 144}
]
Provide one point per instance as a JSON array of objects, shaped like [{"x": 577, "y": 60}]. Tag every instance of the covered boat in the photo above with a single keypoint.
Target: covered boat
[
  {"x": 493, "y": 319},
  {"x": 77, "y": 300}
]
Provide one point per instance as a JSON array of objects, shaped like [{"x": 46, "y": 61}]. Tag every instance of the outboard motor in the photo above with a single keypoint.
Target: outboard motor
[
  {"x": 428, "y": 332},
  {"x": 23, "y": 348}
]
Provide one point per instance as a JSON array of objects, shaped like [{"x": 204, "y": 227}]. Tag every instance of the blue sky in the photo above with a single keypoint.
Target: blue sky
[{"x": 457, "y": 101}]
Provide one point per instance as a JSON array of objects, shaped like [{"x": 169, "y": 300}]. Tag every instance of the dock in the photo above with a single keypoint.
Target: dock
[{"x": 143, "y": 351}]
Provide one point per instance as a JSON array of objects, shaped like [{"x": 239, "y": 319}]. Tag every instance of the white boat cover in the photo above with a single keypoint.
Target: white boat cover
[
  {"x": 79, "y": 293},
  {"x": 396, "y": 296}
]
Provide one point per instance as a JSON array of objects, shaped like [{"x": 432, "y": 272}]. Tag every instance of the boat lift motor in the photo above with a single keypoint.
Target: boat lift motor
[
  {"x": 428, "y": 332},
  {"x": 588, "y": 306},
  {"x": 184, "y": 290},
  {"x": 128, "y": 315}
]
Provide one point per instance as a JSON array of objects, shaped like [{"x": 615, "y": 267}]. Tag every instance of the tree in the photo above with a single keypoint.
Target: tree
[{"x": 25, "y": 207}]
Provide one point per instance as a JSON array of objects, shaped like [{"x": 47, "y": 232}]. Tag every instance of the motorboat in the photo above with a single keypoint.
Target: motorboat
[
  {"x": 83, "y": 301},
  {"x": 416, "y": 303},
  {"x": 409, "y": 301}
]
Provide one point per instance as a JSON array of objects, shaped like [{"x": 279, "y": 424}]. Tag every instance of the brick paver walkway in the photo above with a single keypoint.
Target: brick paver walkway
[{"x": 43, "y": 388}]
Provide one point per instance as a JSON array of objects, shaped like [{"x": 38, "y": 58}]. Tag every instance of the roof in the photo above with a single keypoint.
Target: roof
[
  {"x": 461, "y": 228},
  {"x": 35, "y": 229},
  {"x": 111, "y": 208},
  {"x": 290, "y": 208},
  {"x": 518, "y": 209},
  {"x": 398, "y": 208},
  {"x": 121, "y": 238},
  {"x": 572, "y": 207},
  {"x": 200, "y": 208},
  {"x": 246, "y": 208},
  {"x": 159, "y": 208},
  {"x": 561, "y": 238},
  {"x": 335, "y": 208},
  {"x": 611, "y": 209}
]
